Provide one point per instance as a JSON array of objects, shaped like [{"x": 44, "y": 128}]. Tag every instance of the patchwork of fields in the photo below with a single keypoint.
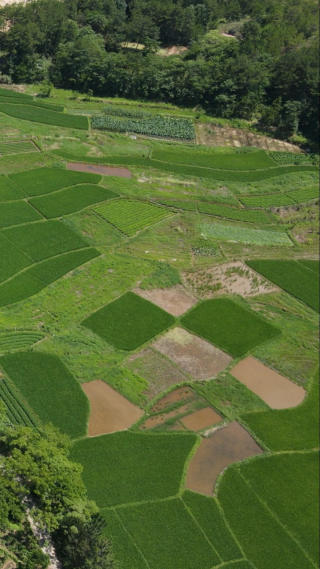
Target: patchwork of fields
[{"x": 124, "y": 281}]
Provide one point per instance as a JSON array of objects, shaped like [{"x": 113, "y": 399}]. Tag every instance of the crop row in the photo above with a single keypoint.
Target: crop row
[
  {"x": 18, "y": 411},
  {"x": 131, "y": 216},
  {"x": 13, "y": 94},
  {"x": 292, "y": 158},
  {"x": 18, "y": 340},
  {"x": 7, "y": 148},
  {"x": 243, "y": 235},
  {"x": 44, "y": 116},
  {"x": 127, "y": 113},
  {"x": 155, "y": 126}
]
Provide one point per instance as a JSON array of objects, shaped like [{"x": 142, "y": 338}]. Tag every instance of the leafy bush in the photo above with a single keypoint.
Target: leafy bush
[
  {"x": 70, "y": 200},
  {"x": 46, "y": 180},
  {"x": 44, "y": 116},
  {"x": 130, "y": 216},
  {"x": 243, "y": 235},
  {"x": 156, "y": 126}
]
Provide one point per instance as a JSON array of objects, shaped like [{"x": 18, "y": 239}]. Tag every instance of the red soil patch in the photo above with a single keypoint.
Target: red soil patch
[
  {"x": 202, "y": 419},
  {"x": 181, "y": 394},
  {"x": 110, "y": 411},
  {"x": 195, "y": 356},
  {"x": 161, "y": 419},
  {"x": 226, "y": 446},
  {"x": 175, "y": 300},
  {"x": 97, "y": 169},
  {"x": 277, "y": 391}
]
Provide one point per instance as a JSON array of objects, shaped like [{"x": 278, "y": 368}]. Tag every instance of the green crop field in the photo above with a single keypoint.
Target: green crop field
[
  {"x": 236, "y": 214},
  {"x": 70, "y": 200},
  {"x": 244, "y": 235},
  {"x": 274, "y": 200},
  {"x": 17, "y": 410},
  {"x": 15, "y": 213},
  {"x": 43, "y": 240},
  {"x": 13, "y": 94},
  {"x": 12, "y": 341},
  {"x": 248, "y": 161},
  {"x": 131, "y": 216},
  {"x": 229, "y": 326},
  {"x": 18, "y": 147},
  {"x": 44, "y": 116},
  {"x": 9, "y": 191},
  {"x": 291, "y": 277},
  {"x": 12, "y": 259},
  {"x": 19, "y": 288},
  {"x": 126, "y": 551},
  {"x": 129, "y": 322},
  {"x": 155, "y": 126},
  {"x": 312, "y": 265},
  {"x": 50, "y": 390},
  {"x": 148, "y": 467},
  {"x": 305, "y": 195},
  {"x": 47, "y": 180}
]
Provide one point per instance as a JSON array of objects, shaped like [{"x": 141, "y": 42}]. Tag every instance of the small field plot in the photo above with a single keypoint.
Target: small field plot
[
  {"x": 71, "y": 200},
  {"x": 276, "y": 200},
  {"x": 305, "y": 195},
  {"x": 168, "y": 536},
  {"x": 125, "y": 550},
  {"x": 43, "y": 240},
  {"x": 19, "y": 288},
  {"x": 126, "y": 467},
  {"x": 131, "y": 216},
  {"x": 18, "y": 147},
  {"x": 265, "y": 541},
  {"x": 244, "y": 235},
  {"x": 245, "y": 161},
  {"x": 44, "y": 116},
  {"x": 15, "y": 213},
  {"x": 46, "y": 180},
  {"x": 12, "y": 341},
  {"x": 129, "y": 322},
  {"x": 53, "y": 269},
  {"x": 12, "y": 259},
  {"x": 16, "y": 410},
  {"x": 252, "y": 216},
  {"x": 292, "y": 277},
  {"x": 312, "y": 265},
  {"x": 175, "y": 300},
  {"x": 50, "y": 389},
  {"x": 14, "y": 95},
  {"x": 229, "y": 326},
  {"x": 9, "y": 191}
]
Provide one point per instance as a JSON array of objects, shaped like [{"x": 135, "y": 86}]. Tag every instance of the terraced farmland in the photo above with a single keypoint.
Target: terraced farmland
[
  {"x": 18, "y": 147},
  {"x": 12, "y": 341},
  {"x": 244, "y": 235},
  {"x": 18, "y": 411}
]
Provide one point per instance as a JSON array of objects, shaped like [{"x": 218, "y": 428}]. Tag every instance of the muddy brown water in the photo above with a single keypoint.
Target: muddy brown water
[
  {"x": 226, "y": 446},
  {"x": 110, "y": 411},
  {"x": 175, "y": 300},
  {"x": 195, "y": 356},
  {"x": 99, "y": 169},
  {"x": 275, "y": 389},
  {"x": 161, "y": 419},
  {"x": 175, "y": 396},
  {"x": 202, "y": 419}
]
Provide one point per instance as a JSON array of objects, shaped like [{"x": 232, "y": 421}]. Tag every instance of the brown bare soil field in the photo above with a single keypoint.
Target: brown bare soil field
[
  {"x": 110, "y": 411},
  {"x": 181, "y": 394},
  {"x": 96, "y": 169},
  {"x": 161, "y": 419},
  {"x": 277, "y": 391},
  {"x": 228, "y": 278},
  {"x": 196, "y": 357},
  {"x": 202, "y": 419},
  {"x": 226, "y": 446},
  {"x": 214, "y": 135},
  {"x": 175, "y": 300},
  {"x": 157, "y": 370}
]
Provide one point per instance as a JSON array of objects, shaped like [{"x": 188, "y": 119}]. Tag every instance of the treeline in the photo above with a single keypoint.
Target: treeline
[{"x": 267, "y": 68}]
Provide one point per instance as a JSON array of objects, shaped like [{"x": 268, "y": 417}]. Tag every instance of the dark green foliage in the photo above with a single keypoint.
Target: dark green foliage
[
  {"x": 15, "y": 213},
  {"x": 275, "y": 200},
  {"x": 50, "y": 389},
  {"x": 144, "y": 467},
  {"x": 247, "y": 161},
  {"x": 175, "y": 530},
  {"x": 164, "y": 276},
  {"x": 52, "y": 269},
  {"x": 229, "y": 326},
  {"x": 17, "y": 411},
  {"x": 252, "y": 216},
  {"x": 125, "y": 550},
  {"x": 131, "y": 216},
  {"x": 46, "y": 180},
  {"x": 43, "y": 240},
  {"x": 289, "y": 429},
  {"x": 9, "y": 191},
  {"x": 292, "y": 277},
  {"x": 12, "y": 259},
  {"x": 179, "y": 204},
  {"x": 156, "y": 126},
  {"x": 265, "y": 542},
  {"x": 71, "y": 200},
  {"x": 44, "y": 116},
  {"x": 207, "y": 514},
  {"x": 19, "y": 288},
  {"x": 281, "y": 483},
  {"x": 310, "y": 264},
  {"x": 129, "y": 322}
]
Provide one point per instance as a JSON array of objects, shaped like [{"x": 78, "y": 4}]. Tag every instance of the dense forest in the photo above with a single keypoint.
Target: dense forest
[{"x": 244, "y": 58}]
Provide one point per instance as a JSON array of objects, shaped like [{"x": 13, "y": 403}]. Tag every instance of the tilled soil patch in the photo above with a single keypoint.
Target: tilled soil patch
[
  {"x": 226, "y": 446},
  {"x": 202, "y": 419},
  {"x": 164, "y": 417},
  {"x": 99, "y": 169},
  {"x": 181, "y": 394},
  {"x": 277, "y": 391},
  {"x": 196, "y": 357},
  {"x": 110, "y": 411},
  {"x": 175, "y": 300}
]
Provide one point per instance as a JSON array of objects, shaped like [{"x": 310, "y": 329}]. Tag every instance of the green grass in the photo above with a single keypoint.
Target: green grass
[
  {"x": 207, "y": 514},
  {"x": 43, "y": 240},
  {"x": 289, "y": 429},
  {"x": 53, "y": 269},
  {"x": 19, "y": 288},
  {"x": 125, "y": 550},
  {"x": 15, "y": 213},
  {"x": 131, "y": 216},
  {"x": 247, "y": 161},
  {"x": 44, "y": 116},
  {"x": 165, "y": 276},
  {"x": 274, "y": 200},
  {"x": 264, "y": 540},
  {"x": 244, "y": 235},
  {"x": 50, "y": 390},
  {"x": 129, "y": 322},
  {"x": 127, "y": 467},
  {"x": 229, "y": 326},
  {"x": 281, "y": 483},
  {"x": 292, "y": 277},
  {"x": 9, "y": 191},
  {"x": 253, "y": 216},
  {"x": 12, "y": 341},
  {"x": 12, "y": 259},
  {"x": 71, "y": 200},
  {"x": 305, "y": 195},
  {"x": 46, "y": 180},
  {"x": 168, "y": 536},
  {"x": 19, "y": 147}
]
